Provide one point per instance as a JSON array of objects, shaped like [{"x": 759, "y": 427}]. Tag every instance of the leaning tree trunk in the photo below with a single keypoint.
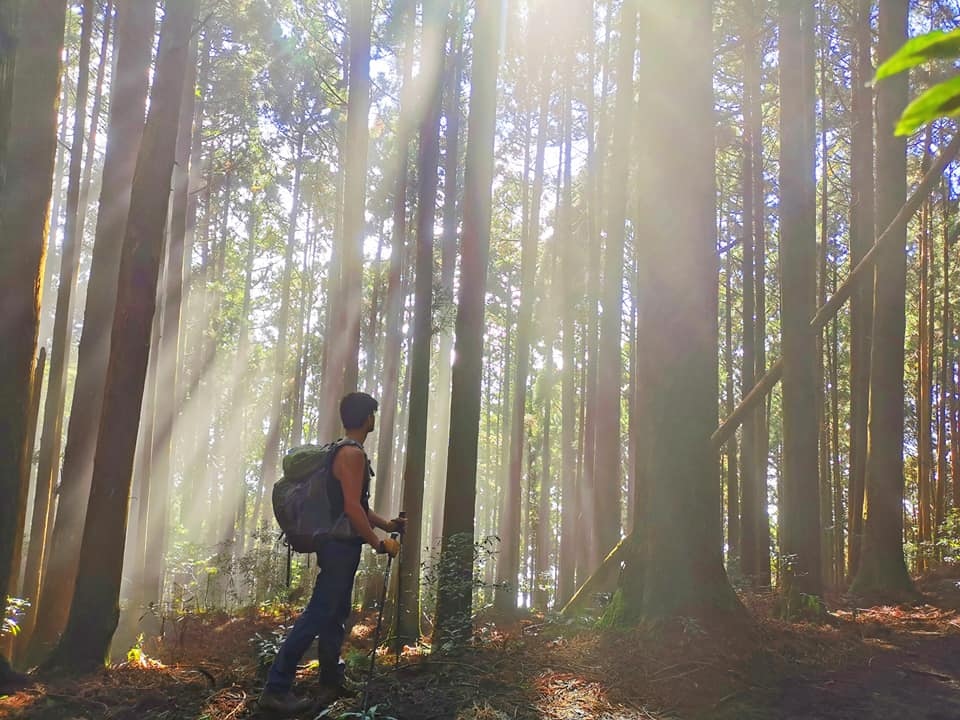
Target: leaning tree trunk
[
  {"x": 455, "y": 591},
  {"x": 26, "y": 172},
  {"x": 95, "y": 611},
  {"x": 676, "y": 567},
  {"x": 882, "y": 570},
  {"x": 135, "y": 31}
]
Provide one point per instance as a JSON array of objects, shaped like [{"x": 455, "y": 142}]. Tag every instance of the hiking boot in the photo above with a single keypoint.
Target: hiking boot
[
  {"x": 338, "y": 689},
  {"x": 285, "y": 704}
]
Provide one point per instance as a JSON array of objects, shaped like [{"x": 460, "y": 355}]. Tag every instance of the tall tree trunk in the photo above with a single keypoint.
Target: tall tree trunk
[
  {"x": 676, "y": 566},
  {"x": 799, "y": 504},
  {"x": 606, "y": 466},
  {"x": 753, "y": 557},
  {"x": 52, "y": 432},
  {"x": 945, "y": 365},
  {"x": 135, "y": 29},
  {"x": 455, "y": 592},
  {"x": 13, "y": 587},
  {"x": 393, "y": 344},
  {"x": 733, "y": 487},
  {"x": 448, "y": 257},
  {"x": 924, "y": 377},
  {"x": 94, "y": 611},
  {"x": 509, "y": 561},
  {"x": 95, "y": 112},
  {"x": 567, "y": 264},
  {"x": 431, "y": 82},
  {"x": 355, "y": 189},
  {"x": 861, "y": 303},
  {"x": 882, "y": 570},
  {"x": 160, "y": 479},
  {"x": 271, "y": 453},
  {"x": 25, "y": 190}
]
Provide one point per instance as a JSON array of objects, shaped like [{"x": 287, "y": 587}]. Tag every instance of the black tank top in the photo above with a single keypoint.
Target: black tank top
[{"x": 335, "y": 490}]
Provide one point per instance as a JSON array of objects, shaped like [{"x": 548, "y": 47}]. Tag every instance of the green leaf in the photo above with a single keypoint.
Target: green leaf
[
  {"x": 941, "y": 100},
  {"x": 936, "y": 45}
]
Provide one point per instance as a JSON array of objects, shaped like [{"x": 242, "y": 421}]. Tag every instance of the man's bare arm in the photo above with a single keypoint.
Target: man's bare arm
[{"x": 349, "y": 467}]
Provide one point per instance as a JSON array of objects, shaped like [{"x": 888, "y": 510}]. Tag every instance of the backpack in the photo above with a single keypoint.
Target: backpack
[{"x": 302, "y": 502}]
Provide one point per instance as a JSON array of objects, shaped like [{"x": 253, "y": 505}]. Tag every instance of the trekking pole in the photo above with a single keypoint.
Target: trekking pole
[
  {"x": 397, "y": 642},
  {"x": 376, "y": 634}
]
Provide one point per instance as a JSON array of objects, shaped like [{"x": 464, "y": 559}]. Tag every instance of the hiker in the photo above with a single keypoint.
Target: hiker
[{"x": 329, "y": 606}]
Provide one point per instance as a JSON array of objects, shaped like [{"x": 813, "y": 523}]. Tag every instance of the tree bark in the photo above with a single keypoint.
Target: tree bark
[
  {"x": 52, "y": 432},
  {"x": 882, "y": 569},
  {"x": 800, "y": 504},
  {"x": 26, "y": 172},
  {"x": 607, "y": 460},
  {"x": 94, "y": 611},
  {"x": 752, "y": 556},
  {"x": 454, "y": 598},
  {"x": 861, "y": 304},
  {"x": 135, "y": 31},
  {"x": 355, "y": 190},
  {"x": 393, "y": 344},
  {"x": 271, "y": 453},
  {"x": 566, "y": 576},
  {"x": 414, "y": 471},
  {"x": 160, "y": 479},
  {"x": 13, "y": 586},
  {"x": 676, "y": 567}
]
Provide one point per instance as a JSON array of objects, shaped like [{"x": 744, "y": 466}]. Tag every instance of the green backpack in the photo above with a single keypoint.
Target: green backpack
[{"x": 303, "y": 502}]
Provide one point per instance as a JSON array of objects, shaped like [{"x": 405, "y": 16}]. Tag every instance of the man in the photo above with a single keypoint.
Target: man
[{"x": 329, "y": 606}]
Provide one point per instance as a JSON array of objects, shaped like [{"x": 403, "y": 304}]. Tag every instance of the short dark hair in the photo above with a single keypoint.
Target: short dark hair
[{"x": 355, "y": 408}]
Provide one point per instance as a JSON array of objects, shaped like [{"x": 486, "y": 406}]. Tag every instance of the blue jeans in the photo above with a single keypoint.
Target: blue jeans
[{"x": 323, "y": 618}]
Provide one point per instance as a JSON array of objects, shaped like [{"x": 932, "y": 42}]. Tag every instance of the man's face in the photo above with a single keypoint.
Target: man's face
[{"x": 371, "y": 422}]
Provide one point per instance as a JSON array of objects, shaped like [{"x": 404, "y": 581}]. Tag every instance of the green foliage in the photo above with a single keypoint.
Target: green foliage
[
  {"x": 935, "y": 45},
  {"x": 371, "y": 713},
  {"x": 135, "y": 654},
  {"x": 15, "y": 609},
  {"x": 267, "y": 646},
  {"x": 941, "y": 100},
  {"x": 445, "y": 565}
]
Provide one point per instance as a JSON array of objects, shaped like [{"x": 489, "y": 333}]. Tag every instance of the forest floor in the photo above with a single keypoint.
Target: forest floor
[{"x": 881, "y": 662}]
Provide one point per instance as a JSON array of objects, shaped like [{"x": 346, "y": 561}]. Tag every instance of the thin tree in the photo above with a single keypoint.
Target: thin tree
[
  {"x": 606, "y": 466},
  {"x": 94, "y": 611},
  {"x": 861, "y": 303},
  {"x": 455, "y": 591},
  {"x": 508, "y": 566}
]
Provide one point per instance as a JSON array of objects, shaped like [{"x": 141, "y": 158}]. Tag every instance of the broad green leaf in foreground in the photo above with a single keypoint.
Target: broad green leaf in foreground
[
  {"x": 935, "y": 45},
  {"x": 941, "y": 100}
]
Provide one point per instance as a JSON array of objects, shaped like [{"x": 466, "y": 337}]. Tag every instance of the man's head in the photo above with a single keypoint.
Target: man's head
[{"x": 357, "y": 411}]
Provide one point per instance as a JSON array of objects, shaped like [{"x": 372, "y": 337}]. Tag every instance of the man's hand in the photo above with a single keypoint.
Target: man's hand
[
  {"x": 397, "y": 525},
  {"x": 389, "y": 547}
]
